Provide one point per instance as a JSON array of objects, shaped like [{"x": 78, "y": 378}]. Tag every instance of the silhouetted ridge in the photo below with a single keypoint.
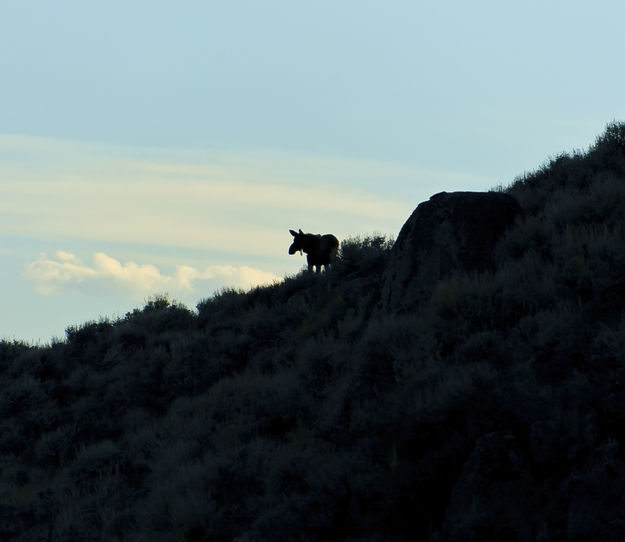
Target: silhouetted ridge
[{"x": 465, "y": 383}]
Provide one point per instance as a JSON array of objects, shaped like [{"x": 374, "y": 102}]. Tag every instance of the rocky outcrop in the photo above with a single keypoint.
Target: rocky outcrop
[{"x": 451, "y": 231}]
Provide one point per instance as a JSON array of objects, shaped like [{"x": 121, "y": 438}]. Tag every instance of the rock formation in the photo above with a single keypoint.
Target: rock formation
[{"x": 450, "y": 231}]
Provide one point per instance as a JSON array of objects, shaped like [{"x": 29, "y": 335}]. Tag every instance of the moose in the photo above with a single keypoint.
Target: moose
[{"x": 320, "y": 249}]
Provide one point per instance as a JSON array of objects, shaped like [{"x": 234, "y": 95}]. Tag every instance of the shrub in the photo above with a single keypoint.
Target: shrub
[
  {"x": 10, "y": 350},
  {"x": 363, "y": 255},
  {"x": 93, "y": 463},
  {"x": 55, "y": 447},
  {"x": 161, "y": 314},
  {"x": 226, "y": 304},
  {"x": 88, "y": 333}
]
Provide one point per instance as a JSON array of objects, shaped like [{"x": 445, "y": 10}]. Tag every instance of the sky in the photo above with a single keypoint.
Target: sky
[{"x": 160, "y": 146}]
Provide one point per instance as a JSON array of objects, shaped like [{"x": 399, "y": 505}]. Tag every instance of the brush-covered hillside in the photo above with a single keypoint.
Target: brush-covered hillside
[{"x": 466, "y": 382}]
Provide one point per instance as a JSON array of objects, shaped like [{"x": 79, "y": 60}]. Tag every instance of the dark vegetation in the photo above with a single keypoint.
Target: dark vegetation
[{"x": 495, "y": 410}]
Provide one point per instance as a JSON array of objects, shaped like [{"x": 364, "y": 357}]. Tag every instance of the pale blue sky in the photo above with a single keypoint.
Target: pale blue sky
[{"x": 151, "y": 146}]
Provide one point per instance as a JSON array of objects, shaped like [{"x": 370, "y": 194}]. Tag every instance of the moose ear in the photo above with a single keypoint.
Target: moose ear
[
  {"x": 293, "y": 233},
  {"x": 301, "y": 232}
]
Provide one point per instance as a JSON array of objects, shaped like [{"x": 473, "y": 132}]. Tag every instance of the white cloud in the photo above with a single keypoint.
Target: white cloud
[
  {"x": 65, "y": 273},
  {"x": 48, "y": 274}
]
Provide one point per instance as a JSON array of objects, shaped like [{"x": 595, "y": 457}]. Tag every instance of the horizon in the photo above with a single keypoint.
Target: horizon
[{"x": 152, "y": 147}]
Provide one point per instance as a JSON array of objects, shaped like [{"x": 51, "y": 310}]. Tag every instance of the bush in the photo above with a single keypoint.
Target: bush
[{"x": 363, "y": 255}]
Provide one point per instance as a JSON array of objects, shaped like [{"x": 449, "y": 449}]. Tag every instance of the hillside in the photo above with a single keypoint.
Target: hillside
[{"x": 466, "y": 382}]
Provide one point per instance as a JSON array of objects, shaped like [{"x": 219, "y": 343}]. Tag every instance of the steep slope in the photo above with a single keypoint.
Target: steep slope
[{"x": 491, "y": 409}]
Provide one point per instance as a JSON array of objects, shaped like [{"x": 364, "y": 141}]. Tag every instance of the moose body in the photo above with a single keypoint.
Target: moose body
[{"x": 320, "y": 249}]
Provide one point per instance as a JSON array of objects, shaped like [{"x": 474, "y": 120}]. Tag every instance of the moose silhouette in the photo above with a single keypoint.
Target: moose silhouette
[{"x": 320, "y": 249}]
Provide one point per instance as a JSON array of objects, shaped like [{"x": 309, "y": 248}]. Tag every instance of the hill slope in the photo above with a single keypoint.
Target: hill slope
[{"x": 489, "y": 407}]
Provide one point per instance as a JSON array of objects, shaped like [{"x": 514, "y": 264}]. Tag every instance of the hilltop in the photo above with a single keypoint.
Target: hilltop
[{"x": 466, "y": 382}]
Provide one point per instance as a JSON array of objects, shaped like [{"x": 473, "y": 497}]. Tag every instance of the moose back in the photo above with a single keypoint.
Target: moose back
[{"x": 320, "y": 249}]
